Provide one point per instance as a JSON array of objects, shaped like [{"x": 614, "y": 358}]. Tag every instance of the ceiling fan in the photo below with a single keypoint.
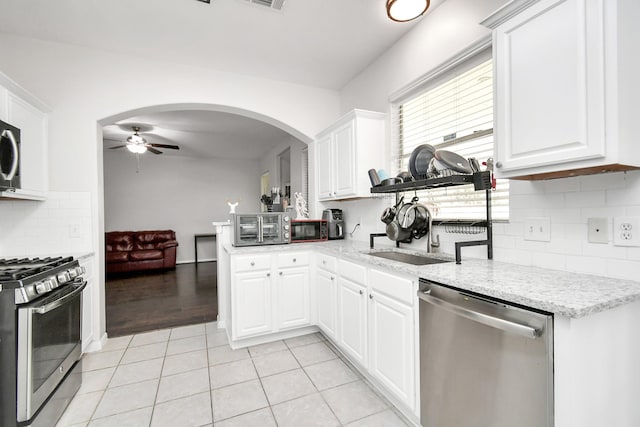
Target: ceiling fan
[{"x": 137, "y": 144}]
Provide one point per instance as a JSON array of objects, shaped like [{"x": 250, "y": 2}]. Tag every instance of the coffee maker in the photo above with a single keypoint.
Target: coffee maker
[{"x": 335, "y": 222}]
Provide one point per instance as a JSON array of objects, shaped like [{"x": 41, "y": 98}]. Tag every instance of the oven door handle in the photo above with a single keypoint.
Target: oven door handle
[{"x": 44, "y": 309}]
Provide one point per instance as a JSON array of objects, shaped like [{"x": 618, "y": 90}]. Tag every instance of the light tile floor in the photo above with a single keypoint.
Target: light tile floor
[{"x": 189, "y": 376}]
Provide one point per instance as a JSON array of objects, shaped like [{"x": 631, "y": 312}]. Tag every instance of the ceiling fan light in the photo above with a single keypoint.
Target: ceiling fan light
[
  {"x": 136, "y": 148},
  {"x": 136, "y": 139},
  {"x": 406, "y": 10}
]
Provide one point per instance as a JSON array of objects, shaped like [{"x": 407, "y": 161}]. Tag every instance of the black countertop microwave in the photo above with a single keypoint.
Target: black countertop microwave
[{"x": 9, "y": 157}]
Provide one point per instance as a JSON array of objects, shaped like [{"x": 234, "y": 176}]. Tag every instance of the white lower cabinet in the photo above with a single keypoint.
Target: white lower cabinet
[
  {"x": 369, "y": 314},
  {"x": 86, "y": 327},
  {"x": 269, "y": 293},
  {"x": 292, "y": 288},
  {"x": 352, "y": 310},
  {"x": 376, "y": 326},
  {"x": 391, "y": 345},
  {"x": 252, "y": 303},
  {"x": 326, "y": 292}
]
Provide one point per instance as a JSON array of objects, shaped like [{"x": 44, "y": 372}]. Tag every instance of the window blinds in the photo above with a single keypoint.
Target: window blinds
[{"x": 453, "y": 111}]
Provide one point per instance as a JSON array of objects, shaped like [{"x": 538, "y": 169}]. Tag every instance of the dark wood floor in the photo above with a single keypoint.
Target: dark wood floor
[{"x": 138, "y": 302}]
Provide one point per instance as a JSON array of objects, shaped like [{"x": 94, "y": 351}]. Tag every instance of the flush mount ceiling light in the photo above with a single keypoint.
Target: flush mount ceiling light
[{"x": 406, "y": 10}]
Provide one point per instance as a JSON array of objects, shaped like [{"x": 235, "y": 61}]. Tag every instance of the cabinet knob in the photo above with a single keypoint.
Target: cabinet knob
[
  {"x": 331, "y": 277},
  {"x": 280, "y": 273},
  {"x": 294, "y": 260},
  {"x": 370, "y": 296},
  {"x": 252, "y": 263},
  {"x": 361, "y": 292},
  {"x": 498, "y": 165},
  {"x": 268, "y": 274},
  {"x": 324, "y": 262}
]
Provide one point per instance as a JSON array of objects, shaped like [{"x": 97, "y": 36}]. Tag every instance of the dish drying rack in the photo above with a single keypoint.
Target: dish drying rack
[{"x": 481, "y": 182}]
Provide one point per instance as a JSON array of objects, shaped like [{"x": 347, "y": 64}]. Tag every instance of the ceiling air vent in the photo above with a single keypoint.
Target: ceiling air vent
[{"x": 272, "y": 4}]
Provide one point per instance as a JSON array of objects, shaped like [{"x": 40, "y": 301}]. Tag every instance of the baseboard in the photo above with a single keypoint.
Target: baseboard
[
  {"x": 192, "y": 261},
  {"x": 96, "y": 345}
]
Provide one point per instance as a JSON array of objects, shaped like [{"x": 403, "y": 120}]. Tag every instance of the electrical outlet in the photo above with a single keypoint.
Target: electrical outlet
[
  {"x": 538, "y": 229},
  {"x": 626, "y": 231},
  {"x": 74, "y": 230},
  {"x": 597, "y": 230}
]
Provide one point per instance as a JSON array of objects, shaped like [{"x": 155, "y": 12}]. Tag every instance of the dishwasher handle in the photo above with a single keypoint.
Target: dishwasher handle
[{"x": 494, "y": 322}]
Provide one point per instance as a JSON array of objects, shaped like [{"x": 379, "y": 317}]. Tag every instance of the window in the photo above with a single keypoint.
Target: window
[{"x": 452, "y": 110}]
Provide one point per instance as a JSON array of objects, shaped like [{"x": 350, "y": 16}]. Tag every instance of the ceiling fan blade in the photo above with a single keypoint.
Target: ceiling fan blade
[
  {"x": 118, "y": 146},
  {"x": 154, "y": 151},
  {"x": 173, "y": 147}
]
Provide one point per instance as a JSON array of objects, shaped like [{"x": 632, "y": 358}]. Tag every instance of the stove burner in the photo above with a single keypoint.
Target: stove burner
[{"x": 21, "y": 268}]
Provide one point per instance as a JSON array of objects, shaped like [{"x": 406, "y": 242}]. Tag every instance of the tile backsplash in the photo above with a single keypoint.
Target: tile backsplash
[
  {"x": 567, "y": 202},
  {"x": 59, "y": 225}
]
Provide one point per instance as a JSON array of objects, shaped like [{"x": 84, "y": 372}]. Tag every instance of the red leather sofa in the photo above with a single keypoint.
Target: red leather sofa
[{"x": 140, "y": 250}]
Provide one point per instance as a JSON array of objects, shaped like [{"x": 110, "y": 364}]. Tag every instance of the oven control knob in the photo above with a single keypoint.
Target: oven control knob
[
  {"x": 285, "y": 218},
  {"x": 75, "y": 272},
  {"x": 51, "y": 282},
  {"x": 286, "y": 235},
  {"x": 42, "y": 288},
  {"x": 64, "y": 277},
  {"x": 286, "y": 227}
]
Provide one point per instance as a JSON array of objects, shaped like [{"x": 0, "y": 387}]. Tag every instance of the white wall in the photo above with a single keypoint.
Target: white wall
[
  {"x": 84, "y": 86},
  {"x": 568, "y": 202},
  {"x": 178, "y": 193}
]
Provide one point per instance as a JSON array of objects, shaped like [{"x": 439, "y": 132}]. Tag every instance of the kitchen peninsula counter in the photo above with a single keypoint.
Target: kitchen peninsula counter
[{"x": 568, "y": 294}]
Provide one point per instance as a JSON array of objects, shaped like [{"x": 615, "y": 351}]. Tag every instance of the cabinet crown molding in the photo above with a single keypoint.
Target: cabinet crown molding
[{"x": 506, "y": 12}]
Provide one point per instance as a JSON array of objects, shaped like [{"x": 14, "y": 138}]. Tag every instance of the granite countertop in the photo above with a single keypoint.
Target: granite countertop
[{"x": 563, "y": 293}]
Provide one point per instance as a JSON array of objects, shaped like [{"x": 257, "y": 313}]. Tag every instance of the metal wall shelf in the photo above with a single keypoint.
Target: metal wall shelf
[{"x": 480, "y": 180}]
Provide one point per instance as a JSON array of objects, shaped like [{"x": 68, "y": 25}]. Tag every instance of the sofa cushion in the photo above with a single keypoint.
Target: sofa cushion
[
  {"x": 145, "y": 255},
  {"x": 113, "y": 257},
  {"x": 146, "y": 240},
  {"x": 118, "y": 241}
]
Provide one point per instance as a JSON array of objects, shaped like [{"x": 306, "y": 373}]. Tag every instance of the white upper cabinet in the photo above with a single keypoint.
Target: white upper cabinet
[
  {"x": 22, "y": 110},
  {"x": 346, "y": 151},
  {"x": 561, "y": 103}
]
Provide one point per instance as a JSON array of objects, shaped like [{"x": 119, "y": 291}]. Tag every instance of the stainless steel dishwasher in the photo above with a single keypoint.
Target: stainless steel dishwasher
[{"x": 483, "y": 362}]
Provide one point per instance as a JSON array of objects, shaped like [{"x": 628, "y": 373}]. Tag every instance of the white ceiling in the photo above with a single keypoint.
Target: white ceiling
[
  {"x": 200, "y": 134},
  {"x": 322, "y": 43}
]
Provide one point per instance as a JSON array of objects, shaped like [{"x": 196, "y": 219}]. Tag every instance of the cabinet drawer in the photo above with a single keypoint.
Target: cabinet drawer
[
  {"x": 354, "y": 272},
  {"x": 251, "y": 262},
  {"x": 396, "y": 287},
  {"x": 327, "y": 262},
  {"x": 293, "y": 259}
]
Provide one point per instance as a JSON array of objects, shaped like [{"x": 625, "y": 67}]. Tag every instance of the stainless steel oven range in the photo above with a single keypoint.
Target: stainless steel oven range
[{"x": 40, "y": 339}]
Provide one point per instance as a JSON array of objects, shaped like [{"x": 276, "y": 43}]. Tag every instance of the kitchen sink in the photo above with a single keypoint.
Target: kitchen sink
[{"x": 408, "y": 258}]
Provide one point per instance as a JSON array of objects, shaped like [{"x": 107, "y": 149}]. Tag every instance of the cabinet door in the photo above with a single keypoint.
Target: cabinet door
[
  {"x": 324, "y": 166},
  {"x": 550, "y": 85},
  {"x": 293, "y": 297},
  {"x": 33, "y": 149},
  {"x": 87, "y": 303},
  {"x": 345, "y": 160},
  {"x": 251, "y": 299},
  {"x": 391, "y": 345},
  {"x": 352, "y": 319},
  {"x": 326, "y": 299}
]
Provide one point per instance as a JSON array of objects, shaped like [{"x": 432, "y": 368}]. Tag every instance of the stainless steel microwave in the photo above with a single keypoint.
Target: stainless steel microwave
[
  {"x": 309, "y": 230},
  {"x": 9, "y": 157},
  {"x": 267, "y": 228}
]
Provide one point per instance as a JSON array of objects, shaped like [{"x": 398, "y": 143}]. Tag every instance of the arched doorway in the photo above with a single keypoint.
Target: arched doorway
[{"x": 159, "y": 111}]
